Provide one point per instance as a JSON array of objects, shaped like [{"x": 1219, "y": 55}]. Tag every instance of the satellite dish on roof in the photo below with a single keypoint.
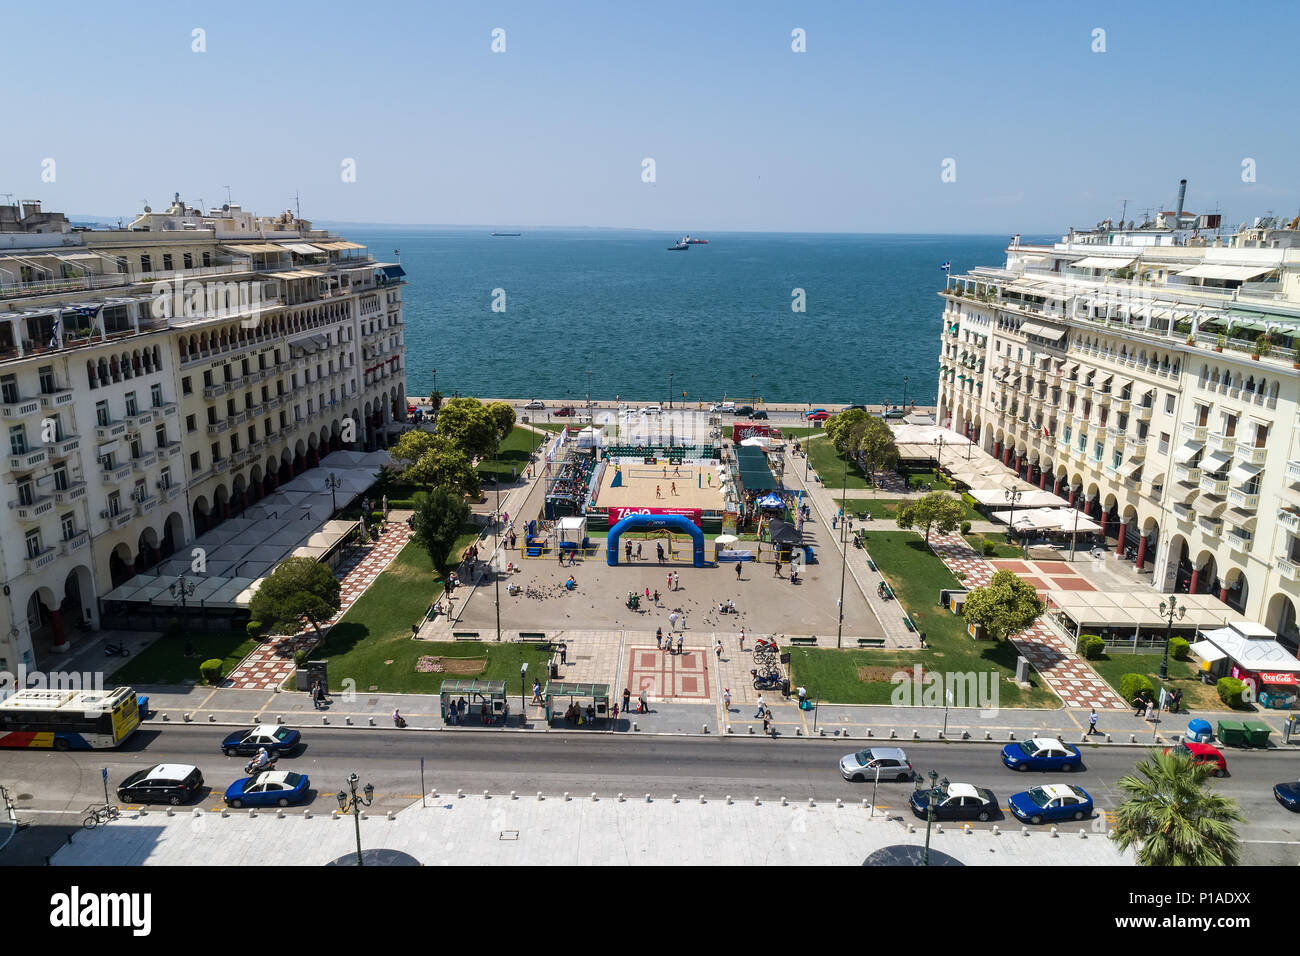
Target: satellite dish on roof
[{"x": 147, "y": 209}]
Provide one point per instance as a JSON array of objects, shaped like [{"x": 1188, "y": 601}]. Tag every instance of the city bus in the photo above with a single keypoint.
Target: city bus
[{"x": 68, "y": 719}]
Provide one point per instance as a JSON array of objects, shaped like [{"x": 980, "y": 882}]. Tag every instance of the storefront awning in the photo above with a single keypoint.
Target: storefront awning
[
  {"x": 1187, "y": 451},
  {"x": 1208, "y": 506},
  {"x": 339, "y": 245},
  {"x": 1101, "y": 262},
  {"x": 1207, "y": 651},
  {"x": 1132, "y": 467}
]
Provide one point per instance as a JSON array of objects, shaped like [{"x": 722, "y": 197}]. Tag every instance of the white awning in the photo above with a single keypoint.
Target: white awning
[
  {"x": 1207, "y": 651},
  {"x": 1031, "y": 328},
  {"x": 1243, "y": 473},
  {"x": 251, "y": 248},
  {"x": 1208, "y": 506},
  {"x": 1101, "y": 262},
  {"x": 1238, "y": 273},
  {"x": 1186, "y": 452},
  {"x": 303, "y": 249},
  {"x": 1132, "y": 467},
  {"x": 1216, "y": 461}
]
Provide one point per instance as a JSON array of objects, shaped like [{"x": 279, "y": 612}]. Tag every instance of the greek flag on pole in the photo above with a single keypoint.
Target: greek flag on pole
[
  {"x": 947, "y": 266},
  {"x": 54, "y": 333}
]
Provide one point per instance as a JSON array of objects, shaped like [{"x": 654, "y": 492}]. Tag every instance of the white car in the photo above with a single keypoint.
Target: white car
[
  {"x": 535, "y": 404},
  {"x": 651, "y": 410},
  {"x": 724, "y": 407}
]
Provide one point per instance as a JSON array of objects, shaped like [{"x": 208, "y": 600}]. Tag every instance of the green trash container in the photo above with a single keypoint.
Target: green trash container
[
  {"x": 1257, "y": 733},
  {"x": 1232, "y": 733}
]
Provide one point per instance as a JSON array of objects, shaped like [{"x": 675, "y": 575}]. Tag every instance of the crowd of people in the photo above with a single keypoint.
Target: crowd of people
[{"x": 568, "y": 490}]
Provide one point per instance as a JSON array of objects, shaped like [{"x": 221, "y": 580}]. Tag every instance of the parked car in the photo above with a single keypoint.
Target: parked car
[
  {"x": 273, "y": 788},
  {"x": 891, "y": 761},
  {"x": 276, "y": 738},
  {"x": 1051, "y": 802},
  {"x": 651, "y": 409},
  {"x": 1201, "y": 753},
  {"x": 760, "y": 414},
  {"x": 535, "y": 403},
  {"x": 855, "y": 408},
  {"x": 743, "y": 410},
  {"x": 958, "y": 801},
  {"x": 564, "y": 412},
  {"x": 1288, "y": 794},
  {"x": 723, "y": 407},
  {"x": 1042, "y": 753},
  {"x": 173, "y": 783},
  {"x": 817, "y": 416}
]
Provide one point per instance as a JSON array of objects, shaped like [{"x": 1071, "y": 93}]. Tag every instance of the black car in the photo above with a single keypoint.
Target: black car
[
  {"x": 744, "y": 410},
  {"x": 758, "y": 414},
  {"x": 958, "y": 801},
  {"x": 1288, "y": 794},
  {"x": 275, "y": 738},
  {"x": 855, "y": 408},
  {"x": 173, "y": 783}
]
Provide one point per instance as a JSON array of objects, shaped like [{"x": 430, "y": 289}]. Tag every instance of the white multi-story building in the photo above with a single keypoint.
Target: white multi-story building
[
  {"x": 1150, "y": 373},
  {"x": 155, "y": 380}
]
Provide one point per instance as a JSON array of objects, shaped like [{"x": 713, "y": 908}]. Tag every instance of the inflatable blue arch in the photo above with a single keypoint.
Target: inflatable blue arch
[{"x": 656, "y": 523}]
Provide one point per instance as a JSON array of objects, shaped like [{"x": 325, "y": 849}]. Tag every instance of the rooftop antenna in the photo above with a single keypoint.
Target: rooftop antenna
[
  {"x": 227, "y": 189},
  {"x": 1122, "y": 213},
  {"x": 10, "y": 197},
  {"x": 297, "y": 203}
]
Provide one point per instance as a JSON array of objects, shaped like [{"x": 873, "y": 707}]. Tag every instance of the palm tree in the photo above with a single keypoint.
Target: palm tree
[{"x": 1172, "y": 819}]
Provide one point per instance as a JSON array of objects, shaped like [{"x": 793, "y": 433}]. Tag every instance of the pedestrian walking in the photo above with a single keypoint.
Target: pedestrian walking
[
  {"x": 681, "y": 639},
  {"x": 672, "y": 622},
  {"x": 627, "y": 550},
  {"x": 659, "y": 638},
  {"x": 615, "y": 713},
  {"x": 834, "y": 520},
  {"x": 669, "y": 586},
  {"x": 560, "y": 553},
  {"x": 767, "y": 722},
  {"x": 777, "y": 572},
  {"x": 673, "y": 489},
  {"x": 1151, "y": 710},
  {"x": 647, "y": 596},
  {"x": 1175, "y": 701},
  {"x": 761, "y": 707},
  {"x": 659, "y": 550},
  {"x": 726, "y": 699},
  {"x": 658, "y": 493},
  {"x": 656, "y": 598},
  {"x": 1139, "y": 705},
  {"x": 717, "y": 648},
  {"x": 627, "y": 698},
  {"x": 564, "y": 653},
  {"x": 1092, "y": 722},
  {"x": 645, "y": 706},
  {"x": 737, "y": 570},
  {"x": 537, "y": 691},
  {"x": 638, "y": 557},
  {"x": 677, "y": 581}
]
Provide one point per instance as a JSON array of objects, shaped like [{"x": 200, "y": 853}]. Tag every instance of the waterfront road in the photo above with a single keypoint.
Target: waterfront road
[{"x": 53, "y": 788}]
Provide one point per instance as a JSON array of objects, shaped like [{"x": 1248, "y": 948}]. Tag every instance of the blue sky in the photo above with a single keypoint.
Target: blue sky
[{"x": 745, "y": 134}]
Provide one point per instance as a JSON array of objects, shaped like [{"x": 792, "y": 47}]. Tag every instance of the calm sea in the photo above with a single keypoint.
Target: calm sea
[{"x": 717, "y": 318}]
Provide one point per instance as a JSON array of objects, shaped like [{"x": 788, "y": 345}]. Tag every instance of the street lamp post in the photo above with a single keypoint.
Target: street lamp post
[
  {"x": 182, "y": 588},
  {"x": 936, "y": 788},
  {"x": 1074, "y": 538},
  {"x": 670, "y": 389},
  {"x": 352, "y": 802},
  {"x": 844, "y": 557},
  {"x": 496, "y": 544},
  {"x": 904, "y": 393},
  {"x": 939, "y": 443},
  {"x": 1170, "y": 610},
  {"x": 333, "y": 482},
  {"x": 753, "y": 387},
  {"x": 588, "y": 389},
  {"x": 1012, "y": 495}
]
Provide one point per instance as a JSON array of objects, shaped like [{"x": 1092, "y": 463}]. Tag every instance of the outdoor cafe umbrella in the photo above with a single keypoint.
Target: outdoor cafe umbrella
[{"x": 725, "y": 540}]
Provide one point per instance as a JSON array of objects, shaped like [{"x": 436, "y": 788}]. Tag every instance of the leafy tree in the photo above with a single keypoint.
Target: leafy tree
[
  {"x": 445, "y": 465},
  {"x": 438, "y": 521},
  {"x": 504, "y": 416},
  {"x": 935, "y": 510},
  {"x": 411, "y": 446},
  {"x": 1172, "y": 820},
  {"x": 435, "y": 399},
  {"x": 872, "y": 443},
  {"x": 1005, "y": 606},
  {"x": 468, "y": 423},
  {"x": 299, "y": 588},
  {"x": 839, "y": 427}
]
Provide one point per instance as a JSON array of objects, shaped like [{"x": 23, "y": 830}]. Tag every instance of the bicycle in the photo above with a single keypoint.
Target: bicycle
[{"x": 97, "y": 815}]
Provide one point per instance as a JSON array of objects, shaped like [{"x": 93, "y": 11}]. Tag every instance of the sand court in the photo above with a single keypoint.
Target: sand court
[{"x": 639, "y": 481}]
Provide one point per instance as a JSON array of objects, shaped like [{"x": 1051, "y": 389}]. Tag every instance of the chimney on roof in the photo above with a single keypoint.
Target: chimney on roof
[{"x": 1182, "y": 192}]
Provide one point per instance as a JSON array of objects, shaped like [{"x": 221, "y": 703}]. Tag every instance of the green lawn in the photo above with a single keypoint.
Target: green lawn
[
  {"x": 512, "y": 457},
  {"x": 830, "y": 464},
  {"x": 1182, "y": 676},
  {"x": 1002, "y": 549},
  {"x": 377, "y": 630},
  {"x": 164, "y": 661},
  {"x": 888, "y": 507},
  {"x": 917, "y": 576}
]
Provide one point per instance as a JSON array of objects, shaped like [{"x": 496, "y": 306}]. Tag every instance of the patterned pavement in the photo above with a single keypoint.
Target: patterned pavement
[
  {"x": 1068, "y": 675},
  {"x": 271, "y": 664}
]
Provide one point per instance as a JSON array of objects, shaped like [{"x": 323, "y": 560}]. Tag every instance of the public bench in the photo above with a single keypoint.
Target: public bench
[
  {"x": 804, "y": 641},
  {"x": 532, "y": 637},
  {"x": 465, "y": 635},
  {"x": 872, "y": 565},
  {"x": 907, "y": 622},
  {"x": 871, "y": 642}
]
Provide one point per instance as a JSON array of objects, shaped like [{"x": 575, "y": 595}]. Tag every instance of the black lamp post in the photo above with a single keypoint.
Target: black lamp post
[
  {"x": 939, "y": 443},
  {"x": 182, "y": 588},
  {"x": 588, "y": 389},
  {"x": 1012, "y": 495},
  {"x": 496, "y": 543},
  {"x": 670, "y": 389},
  {"x": 1170, "y": 610},
  {"x": 352, "y": 802},
  {"x": 905, "y": 393},
  {"x": 333, "y": 482},
  {"x": 936, "y": 789},
  {"x": 844, "y": 554}
]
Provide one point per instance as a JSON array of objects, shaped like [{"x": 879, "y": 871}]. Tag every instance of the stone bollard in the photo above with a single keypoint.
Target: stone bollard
[
  {"x": 647, "y": 798},
  {"x": 916, "y": 735},
  {"x": 252, "y": 811},
  {"x": 620, "y": 798},
  {"x": 593, "y": 798},
  {"x": 865, "y": 804},
  {"x": 306, "y": 814},
  {"x": 892, "y": 735},
  {"x": 940, "y": 735},
  {"x": 938, "y": 827},
  {"x": 674, "y": 798},
  {"x": 166, "y": 718},
  {"x": 910, "y": 828},
  {"x": 846, "y": 731},
  {"x": 701, "y": 798},
  {"x": 512, "y": 795},
  {"x": 756, "y": 802},
  {"x": 212, "y": 718},
  {"x": 187, "y": 718},
  {"x": 728, "y": 728},
  {"x": 1108, "y": 738},
  {"x": 704, "y": 728},
  {"x": 751, "y": 729},
  {"x": 1083, "y": 834},
  {"x": 197, "y": 812},
  {"x": 1011, "y": 736},
  {"x": 783, "y": 803},
  {"x": 224, "y": 812},
  {"x": 566, "y": 796},
  {"x": 539, "y": 796},
  {"x": 1054, "y": 833},
  {"x": 811, "y": 802},
  {"x": 324, "y": 720},
  {"x": 1132, "y": 738},
  {"x": 485, "y": 795},
  {"x": 1083, "y": 737},
  {"x": 460, "y": 794},
  {"x": 988, "y": 735},
  {"x": 371, "y": 720},
  {"x": 390, "y": 816},
  {"x": 798, "y": 731},
  {"x": 868, "y": 731},
  {"x": 171, "y": 812},
  {"x": 279, "y": 718},
  {"x": 348, "y": 721},
  {"x": 635, "y": 725},
  {"x": 839, "y": 804},
  {"x": 728, "y": 799},
  {"x": 279, "y": 814}
]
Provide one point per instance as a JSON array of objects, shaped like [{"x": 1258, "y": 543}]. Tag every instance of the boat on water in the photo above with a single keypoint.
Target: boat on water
[
  {"x": 696, "y": 242},
  {"x": 507, "y": 233},
  {"x": 681, "y": 245}
]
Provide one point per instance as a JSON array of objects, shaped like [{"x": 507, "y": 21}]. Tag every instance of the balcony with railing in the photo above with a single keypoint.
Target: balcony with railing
[
  {"x": 218, "y": 427},
  {"x": 1287, "y": 568},
  {"x": 57, "y": 398},
  {"x": 41, "y": 559},
  {"x": 1211, "y": 485},
  {"x": 28, "y": 460},
  {"x": 1249, "y": 453},
  {"x": 1240, "y": 499},
  {"x": 1187, "y": 474},
  {"x": 74, "y": 542},
  {"x": 1289, "y": 519},
  {"x": 1293, "y": 466},
  {"x": 1193, "y": 432},
  {"x": 110, "y": 431},
  {"x": 75, "y": 491},
  {"x": 34, "y": 510},
  {"x": 20, "y": 408},
  {"x": 144, "y": 462},
  {"x": 116, "y": 475}
]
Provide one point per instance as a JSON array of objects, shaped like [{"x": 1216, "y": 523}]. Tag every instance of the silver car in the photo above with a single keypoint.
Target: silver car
[{"x": 891, "y": 762}]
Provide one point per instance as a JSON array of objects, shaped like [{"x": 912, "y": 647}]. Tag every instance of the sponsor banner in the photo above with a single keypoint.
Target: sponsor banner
[
  {"x": 740, "y": 432},
  {"x": 617, "y": 514},
  {"x": 734, "y": 554},
  {"x": 1269, "y": 677}
]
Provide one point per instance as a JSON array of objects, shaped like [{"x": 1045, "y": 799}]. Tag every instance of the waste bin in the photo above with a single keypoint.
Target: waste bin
[
  {"x": 1199, "y": 731},
  {"x": 1232, "y": 733},
  {"x": 1257, "y": 733}
]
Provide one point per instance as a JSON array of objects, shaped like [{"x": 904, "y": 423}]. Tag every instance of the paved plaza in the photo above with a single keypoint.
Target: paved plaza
[{"x": 606, "y": 832}]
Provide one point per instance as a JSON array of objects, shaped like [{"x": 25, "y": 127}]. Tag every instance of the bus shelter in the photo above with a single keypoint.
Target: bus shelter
[
  {"x": 566, "y": 694},
  {"x": 474, "y": 693}
]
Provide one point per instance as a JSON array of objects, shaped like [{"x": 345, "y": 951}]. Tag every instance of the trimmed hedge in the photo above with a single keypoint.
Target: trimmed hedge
[
  {"x": 211, "y": 670},
  {"x": 254, "y": 629},
  {"x": 1130, "y": 685},
  {"x": 1230, "y": 691},
  {"x": 1092, "y": 647},
  {"x": 1178, "y": 648},
  {"x": 965, "y": 527},
  {"x": 990, "y": 549}
]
